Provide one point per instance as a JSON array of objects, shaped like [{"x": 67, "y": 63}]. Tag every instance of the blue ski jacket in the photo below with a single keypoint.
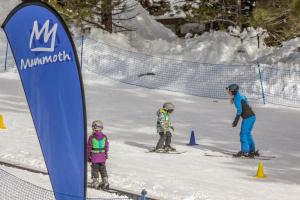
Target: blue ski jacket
[{"x": 242, "y": 106}]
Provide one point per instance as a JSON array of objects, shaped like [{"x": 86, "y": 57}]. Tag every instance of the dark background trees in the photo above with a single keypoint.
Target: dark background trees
[{"x": 103, "y": 14}]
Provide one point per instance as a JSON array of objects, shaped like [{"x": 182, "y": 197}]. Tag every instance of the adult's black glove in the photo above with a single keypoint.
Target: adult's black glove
[{"x": 236, "y": 121}]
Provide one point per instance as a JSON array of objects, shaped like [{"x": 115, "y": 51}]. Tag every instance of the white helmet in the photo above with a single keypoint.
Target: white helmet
[
  {"x": 169, "y": 106},
  {"x": 97, "y": 125}
]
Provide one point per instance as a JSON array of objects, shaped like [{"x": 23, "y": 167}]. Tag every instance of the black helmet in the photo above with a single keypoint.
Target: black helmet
[{"x": 233, "y": 88}]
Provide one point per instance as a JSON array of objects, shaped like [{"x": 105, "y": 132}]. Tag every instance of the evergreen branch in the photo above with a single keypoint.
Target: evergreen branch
[
  {"x": 129, "y": 18},
  {"x": 119, "y": 26},
  {"x": 220, "y": 20},
  {"x": 93, "y": 23},
  {"x": 119, "y": 31}
]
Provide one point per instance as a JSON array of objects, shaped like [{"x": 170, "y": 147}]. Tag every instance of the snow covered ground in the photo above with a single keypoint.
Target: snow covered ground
[
  {"x": 43, "y": 180},
  {"x": 128, "y": 113}
]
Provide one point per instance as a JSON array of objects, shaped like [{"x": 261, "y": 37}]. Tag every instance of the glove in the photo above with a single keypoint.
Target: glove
[
  {"x": 166, "y": 125},
  {"x": 236, "y": 121},
  {"x": 173, "y": 129}
]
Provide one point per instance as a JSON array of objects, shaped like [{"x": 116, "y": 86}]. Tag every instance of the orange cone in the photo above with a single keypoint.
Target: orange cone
[{"x": 260, "y": 171}]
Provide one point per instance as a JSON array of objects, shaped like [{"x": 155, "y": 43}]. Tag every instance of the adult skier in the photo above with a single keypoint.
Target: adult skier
[
  {"x": 249, "y": 118},
  {"x": 98, "y": 147},
  {"x": 163, "y": 126}
]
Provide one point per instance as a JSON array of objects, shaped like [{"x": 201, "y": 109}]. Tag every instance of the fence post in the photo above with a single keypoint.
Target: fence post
[
  {"x": 261, "y": 84},
  {"x": 5, "y": 61},
  {"x": 81, "y": 53},
  {"x": 144, "y": 193}
]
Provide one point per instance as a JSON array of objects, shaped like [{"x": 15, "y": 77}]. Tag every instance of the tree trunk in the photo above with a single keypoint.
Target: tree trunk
[
  {"x": 239, "y": 11},
  {"x": 107, "y": 21},
  {"x": 106, "y": 10}
]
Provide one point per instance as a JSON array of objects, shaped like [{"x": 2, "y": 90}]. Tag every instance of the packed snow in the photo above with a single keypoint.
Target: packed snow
[
  {"x": 42, "y": 180},
  {"x": 128, "y": 113}
]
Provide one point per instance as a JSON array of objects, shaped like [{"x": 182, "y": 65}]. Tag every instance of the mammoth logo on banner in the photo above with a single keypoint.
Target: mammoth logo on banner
[
  {"x": 36, "y": 34},
  {"x": 47, "y": 62}
]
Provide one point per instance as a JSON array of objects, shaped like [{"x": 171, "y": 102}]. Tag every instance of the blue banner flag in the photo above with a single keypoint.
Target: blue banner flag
[{"x": 48, "y": 65}]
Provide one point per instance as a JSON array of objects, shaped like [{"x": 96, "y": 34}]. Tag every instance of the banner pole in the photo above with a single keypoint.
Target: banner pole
[{"x": 6, "y": 52}]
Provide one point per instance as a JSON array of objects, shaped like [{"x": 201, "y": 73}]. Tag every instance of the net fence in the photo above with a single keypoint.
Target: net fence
[
  {"x": 264, "y": 83},
  {"x": 14, "y": 188}
]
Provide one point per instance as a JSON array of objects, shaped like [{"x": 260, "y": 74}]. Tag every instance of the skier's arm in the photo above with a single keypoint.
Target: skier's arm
[
  {"x": 106, "y": 148},
  {"x": 171, "y": 126},
  {"x": 89, "y": 148},
  {"x": 236, "y": 120},
  {"x": 238, "y": 105},
  {"x": 163, "y": 122}
]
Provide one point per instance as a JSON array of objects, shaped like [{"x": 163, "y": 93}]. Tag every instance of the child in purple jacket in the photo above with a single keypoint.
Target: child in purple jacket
[{"x": 98, "y": 147}]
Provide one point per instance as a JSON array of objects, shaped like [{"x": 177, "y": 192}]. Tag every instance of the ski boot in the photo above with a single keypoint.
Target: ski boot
[
  {"x": 95, "y": 183},
  {"x": 104, "y": 184},
  {"x": 254, "y": 153},
  {"x": 169, "y": 148},
  {"x": 160, "y": 150},
  {"x": 241, "y": 154}
]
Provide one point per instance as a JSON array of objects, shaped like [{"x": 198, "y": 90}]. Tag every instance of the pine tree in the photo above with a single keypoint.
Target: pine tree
[
  {"x": 280, "y": 17},
  {"x": 219, "y": 12},
  {"x": 103, "y": 14},
  {"x": 156, "y": 7}
]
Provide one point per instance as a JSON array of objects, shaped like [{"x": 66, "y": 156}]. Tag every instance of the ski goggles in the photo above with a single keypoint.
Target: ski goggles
[{"x": 97, "y": 127}]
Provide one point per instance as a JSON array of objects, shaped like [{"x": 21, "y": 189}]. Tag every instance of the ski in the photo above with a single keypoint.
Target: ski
[
  {"x": 260, "y": 156},
  {"x": 229, "y": 154},
  {"x": 166, "y": 152},
  {"x": 110, "y": 190}
]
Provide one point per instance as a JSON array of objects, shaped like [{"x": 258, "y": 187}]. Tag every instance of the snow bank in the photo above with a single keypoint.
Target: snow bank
[
  {"x": 124, "y": 56},
  {"x": 145, "y": 25},
  {"x": 151, "y": 37}
]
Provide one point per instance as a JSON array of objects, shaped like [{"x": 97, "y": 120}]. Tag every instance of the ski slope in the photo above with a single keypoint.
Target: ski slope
[{"x": 128, "y": 113}]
